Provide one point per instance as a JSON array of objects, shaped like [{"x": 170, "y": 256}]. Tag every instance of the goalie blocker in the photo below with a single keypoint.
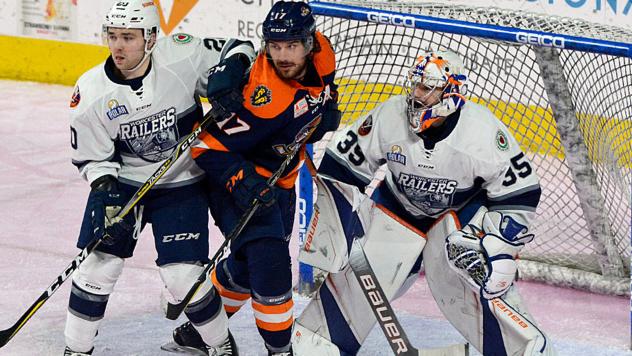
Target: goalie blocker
[{"x": 335, "y": 323}]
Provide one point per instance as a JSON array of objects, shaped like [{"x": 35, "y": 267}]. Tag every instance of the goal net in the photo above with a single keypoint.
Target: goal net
[{"x": 562, "y": 86}]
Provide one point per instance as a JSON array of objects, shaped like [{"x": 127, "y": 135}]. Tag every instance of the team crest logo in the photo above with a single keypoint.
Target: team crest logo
[
  {"x": 396, "y": 155},
  {"x": 116, "y": 110},
  {"x": 299, "y": 138},
  {"x": 182, "y": 38},
  {"x": 152, "y": 138},
  {"x": 76, "y": 98},
  {"x": 300, "y": 108},
  {"x": 305, "y": 11},
  {"x": 261, "y": 96},
  {"x": 366, "y": 126},
  {"x": 501, "y": 141},
  {"x": 431, "y": 195}
]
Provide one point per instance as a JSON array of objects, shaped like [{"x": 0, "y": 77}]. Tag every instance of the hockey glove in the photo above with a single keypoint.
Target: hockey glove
[
  {"x": 329, "y": 122},
  {"x": 224, "y": 82},
  {"x": 486, "y": 258},
  {"x": 246, "y": 186},
  {"x": 104, "y": 202}
]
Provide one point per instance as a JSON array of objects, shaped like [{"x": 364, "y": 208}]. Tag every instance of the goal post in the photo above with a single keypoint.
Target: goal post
[{"x": 562, "y": 86}]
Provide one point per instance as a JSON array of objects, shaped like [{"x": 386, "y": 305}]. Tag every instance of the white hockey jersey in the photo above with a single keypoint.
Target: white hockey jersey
[
  {"x": 126, "y": 130},
  {"x": 427, "y": 178}
]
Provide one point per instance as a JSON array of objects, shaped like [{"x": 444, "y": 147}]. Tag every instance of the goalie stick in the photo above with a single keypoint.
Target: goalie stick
[
  {"x": 374, "y": 294},
  {"x": 216, "y": 112},
  {"x": 174, "y": 310}
]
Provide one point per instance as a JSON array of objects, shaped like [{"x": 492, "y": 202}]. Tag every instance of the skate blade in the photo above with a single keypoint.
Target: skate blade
[{"x": 184, "y": 350}]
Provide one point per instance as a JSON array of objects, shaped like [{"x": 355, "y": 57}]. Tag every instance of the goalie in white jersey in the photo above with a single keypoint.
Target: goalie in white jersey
[
  {"x": 128, "y": 114},
  {"x": 459, "y": 194}
]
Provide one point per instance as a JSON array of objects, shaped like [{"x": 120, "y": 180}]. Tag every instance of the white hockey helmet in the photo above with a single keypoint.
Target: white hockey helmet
[
  {"x": 140, "y": 14},
  {"x": 442, "y": 70}
]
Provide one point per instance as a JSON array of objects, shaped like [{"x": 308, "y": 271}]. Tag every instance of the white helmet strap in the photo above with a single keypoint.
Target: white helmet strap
[{"x": 147, "y": 55}]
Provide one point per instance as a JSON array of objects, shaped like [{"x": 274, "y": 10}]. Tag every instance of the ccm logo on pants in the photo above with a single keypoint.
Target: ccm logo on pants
[{"x": 180, "y": 237}]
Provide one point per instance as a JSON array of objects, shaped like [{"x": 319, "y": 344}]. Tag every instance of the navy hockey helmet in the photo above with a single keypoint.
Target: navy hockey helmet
[{"x": 289, "y": 21}]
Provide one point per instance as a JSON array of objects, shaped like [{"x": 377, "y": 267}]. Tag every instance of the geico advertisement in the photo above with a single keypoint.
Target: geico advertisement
[{"x": 80, "y": 20}]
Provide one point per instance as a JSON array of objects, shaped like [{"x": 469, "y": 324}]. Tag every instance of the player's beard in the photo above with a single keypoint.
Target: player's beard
[{"x": 287, "y": 70}]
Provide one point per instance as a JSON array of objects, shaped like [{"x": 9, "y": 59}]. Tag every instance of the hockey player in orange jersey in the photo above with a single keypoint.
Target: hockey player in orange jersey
[{"x": 289, "y": 94}]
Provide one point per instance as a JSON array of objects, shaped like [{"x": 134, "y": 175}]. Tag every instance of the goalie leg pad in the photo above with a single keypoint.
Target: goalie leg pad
[
  {"x": 92, "y": 284},
  {"x": 308, "y": 343},
  {"x": 508, "y": 328},
  {"x": 334, "y": 223},
  {"x": 340, "y": 312},
  {"x": 496, "y": 327},
  {"x": 330, "y": 314}
]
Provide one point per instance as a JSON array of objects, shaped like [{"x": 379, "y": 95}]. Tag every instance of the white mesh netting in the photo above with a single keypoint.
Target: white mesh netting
[{"x": 584, "y": 158}]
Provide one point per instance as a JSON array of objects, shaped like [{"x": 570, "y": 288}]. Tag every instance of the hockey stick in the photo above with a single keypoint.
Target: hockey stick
[
  {"x": 174, "y": 310},
  {"x": 216, "y": 112},
  {"x": 374, "y": 294}
]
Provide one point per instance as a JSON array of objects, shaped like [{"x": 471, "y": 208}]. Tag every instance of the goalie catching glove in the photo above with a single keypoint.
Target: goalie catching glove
[
  {"x": 246, "y": 185},
  {"x": 485, "y": 258},
  {"x": 105, "y": 202}
]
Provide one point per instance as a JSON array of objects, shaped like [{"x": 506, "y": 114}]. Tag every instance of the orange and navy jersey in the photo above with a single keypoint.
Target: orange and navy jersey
[{"x": 275, "y": 113}]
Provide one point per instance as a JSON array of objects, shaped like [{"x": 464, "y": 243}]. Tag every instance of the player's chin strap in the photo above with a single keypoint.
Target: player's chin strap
[{"x": 145, "y": 58}]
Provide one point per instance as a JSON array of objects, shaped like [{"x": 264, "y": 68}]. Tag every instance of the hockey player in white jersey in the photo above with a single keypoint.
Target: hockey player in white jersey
[
  {"x": 127, "y": 116},
  {"x": 459, "y": 194}
]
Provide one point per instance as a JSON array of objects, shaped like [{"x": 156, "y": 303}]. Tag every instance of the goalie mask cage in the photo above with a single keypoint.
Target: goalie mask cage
[{"x": 562, "y": 86}]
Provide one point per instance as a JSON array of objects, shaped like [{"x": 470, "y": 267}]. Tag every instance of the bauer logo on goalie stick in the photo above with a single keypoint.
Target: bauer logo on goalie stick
[
  {"x": 377, "y": 299},
  {"x": 262, "y": 95}
]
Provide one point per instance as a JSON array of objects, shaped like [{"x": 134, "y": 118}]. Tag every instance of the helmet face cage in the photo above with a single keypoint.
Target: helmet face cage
[
  {"x": 290, "y": 21},
  {"x": 437, "y": 71}
]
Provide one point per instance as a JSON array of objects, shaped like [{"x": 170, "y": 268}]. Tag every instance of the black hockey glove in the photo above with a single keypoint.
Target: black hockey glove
[
  {"x": 224, "y": 82},
  {"x": 246, "y": 186},
  {"x": 104, "y": 202},
  {"x": 328, "y": 122}
]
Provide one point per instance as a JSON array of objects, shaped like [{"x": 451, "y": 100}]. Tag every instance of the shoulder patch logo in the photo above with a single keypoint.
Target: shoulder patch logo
[
  {"x": 366, "y": 126},
  {"x": 501, "y": 141},
  {"x": 300, "y": 107},
  {"x": 116, "y": 110},
  {"x": 76, "y": 97},
  {"x": 261, "y": 96},
  {"x": 182, "y": 38}
]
